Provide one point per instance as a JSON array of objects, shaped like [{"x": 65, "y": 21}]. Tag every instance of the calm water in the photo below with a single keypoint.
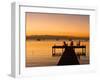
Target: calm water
[{"x": 39, "y": 53}]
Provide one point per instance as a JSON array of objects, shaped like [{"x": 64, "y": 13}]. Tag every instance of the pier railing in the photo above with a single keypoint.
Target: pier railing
[{"x": 54, "y": 53}]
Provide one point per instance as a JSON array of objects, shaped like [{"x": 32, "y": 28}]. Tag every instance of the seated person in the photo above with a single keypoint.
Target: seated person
[
  {"x": 71, "y": 43},
  {"x": 64, "y": 43}
]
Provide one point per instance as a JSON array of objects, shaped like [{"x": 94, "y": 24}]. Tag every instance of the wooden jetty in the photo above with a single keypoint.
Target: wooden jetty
[{"x": 74, "y": 47}]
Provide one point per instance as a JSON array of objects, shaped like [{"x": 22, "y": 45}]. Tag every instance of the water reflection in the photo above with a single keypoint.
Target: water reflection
[{"x": 39, "y": 53}]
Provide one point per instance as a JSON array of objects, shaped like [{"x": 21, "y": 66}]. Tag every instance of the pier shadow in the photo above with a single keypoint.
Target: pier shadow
[{"x": 68, "y": 57}]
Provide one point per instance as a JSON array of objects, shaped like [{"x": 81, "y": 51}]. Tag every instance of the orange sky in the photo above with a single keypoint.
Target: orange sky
[{"x": 57, "y": 24}]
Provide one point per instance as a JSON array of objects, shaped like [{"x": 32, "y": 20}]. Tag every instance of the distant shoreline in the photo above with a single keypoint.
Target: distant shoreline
[{"x": 57, "y": 38}]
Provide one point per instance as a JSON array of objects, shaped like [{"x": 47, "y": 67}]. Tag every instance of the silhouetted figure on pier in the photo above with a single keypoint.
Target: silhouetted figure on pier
[
  {"x": 64, "y": 43},
  {"x": 68, "y": 57},
  {"x": 71, "y": 43}
]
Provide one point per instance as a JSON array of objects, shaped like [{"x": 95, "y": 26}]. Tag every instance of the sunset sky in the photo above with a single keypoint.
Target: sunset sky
[{"x": 57, "y": 24}]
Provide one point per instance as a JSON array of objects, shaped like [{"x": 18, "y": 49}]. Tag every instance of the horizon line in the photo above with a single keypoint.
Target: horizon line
[{"x": 59, "y": 35}]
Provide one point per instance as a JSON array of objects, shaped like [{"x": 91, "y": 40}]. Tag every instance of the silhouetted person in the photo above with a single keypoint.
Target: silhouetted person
[
  {"x": 68, "y": 57},
  {"x": 64, "y": 43},
  {"x": 71, "y": 43}
]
